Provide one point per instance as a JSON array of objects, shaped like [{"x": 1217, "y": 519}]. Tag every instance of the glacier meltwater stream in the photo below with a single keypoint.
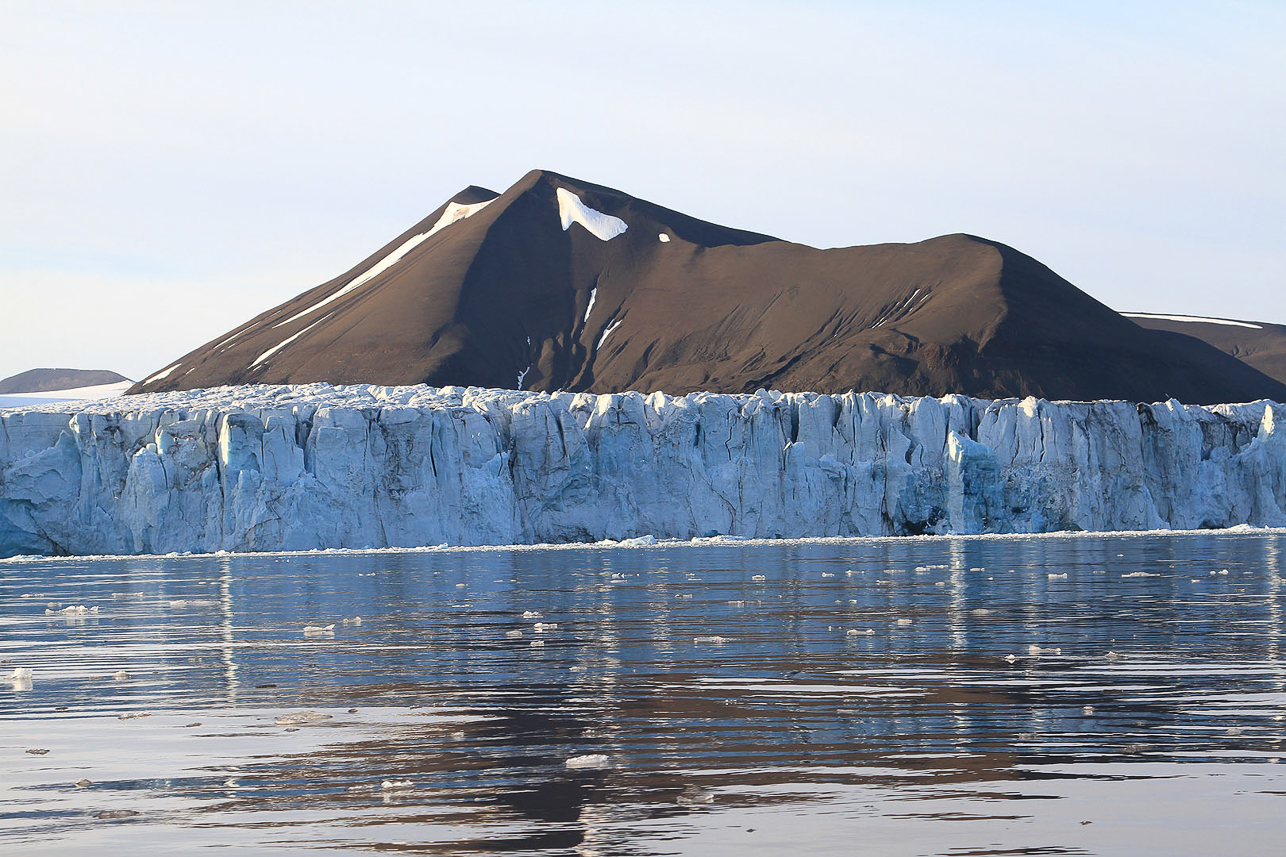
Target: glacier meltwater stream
[{"x": 1057, "y": 694}]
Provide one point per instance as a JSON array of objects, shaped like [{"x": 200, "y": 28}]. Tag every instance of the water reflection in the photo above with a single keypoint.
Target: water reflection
[{"x": 1000, "y": 687}]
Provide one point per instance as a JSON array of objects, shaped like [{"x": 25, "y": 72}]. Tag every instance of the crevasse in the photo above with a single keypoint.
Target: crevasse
[{"x": 283, "y": 468}]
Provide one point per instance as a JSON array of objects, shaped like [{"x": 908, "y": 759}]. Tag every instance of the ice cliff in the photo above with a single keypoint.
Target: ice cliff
[{"x": 269, "y": 468}]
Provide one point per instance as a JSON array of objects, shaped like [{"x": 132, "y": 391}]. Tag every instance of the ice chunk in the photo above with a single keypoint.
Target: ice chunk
[
  {"x": 391, "y": 785},
  {"x": 663, "y": 238},
  {"x": 589, "y": 761},
  {"x": 571, "y": 209}
]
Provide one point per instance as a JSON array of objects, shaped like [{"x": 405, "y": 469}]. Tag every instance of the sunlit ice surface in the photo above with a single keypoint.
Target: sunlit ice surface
[{"x": 1042, "y": 695}]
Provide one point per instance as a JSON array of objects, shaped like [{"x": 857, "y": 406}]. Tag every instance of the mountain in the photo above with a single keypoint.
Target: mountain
[
  {"x": 49, "y": 380},
  {"x": 1258, "y": 343},
  {"x": 562, "y": 284}
]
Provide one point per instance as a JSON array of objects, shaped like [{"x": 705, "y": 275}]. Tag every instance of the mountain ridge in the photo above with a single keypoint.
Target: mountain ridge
[{"x": 557, "y": 283}]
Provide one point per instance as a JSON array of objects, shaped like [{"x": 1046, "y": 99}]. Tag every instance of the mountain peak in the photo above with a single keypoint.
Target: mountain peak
[{"x": 561, "y": 284}]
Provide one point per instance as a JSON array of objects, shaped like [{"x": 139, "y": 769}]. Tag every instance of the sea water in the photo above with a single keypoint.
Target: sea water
[{"x": 1038, "y": 695}]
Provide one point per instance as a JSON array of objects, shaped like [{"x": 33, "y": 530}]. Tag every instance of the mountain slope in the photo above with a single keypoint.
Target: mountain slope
[
  {"x": 45, "y": 380},
  {"x": 561, "y": 284},
  {"x": 1259, "y": 344}
]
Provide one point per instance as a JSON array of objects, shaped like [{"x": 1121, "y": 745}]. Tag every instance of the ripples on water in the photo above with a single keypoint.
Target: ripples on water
[{"x": 1055, "y": 695}]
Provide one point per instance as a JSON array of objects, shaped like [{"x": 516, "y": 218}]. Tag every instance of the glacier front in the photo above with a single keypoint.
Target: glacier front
[{"x": 315, "y": 466}]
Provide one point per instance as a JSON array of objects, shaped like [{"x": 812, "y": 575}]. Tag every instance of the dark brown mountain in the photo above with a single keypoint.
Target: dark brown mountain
[
  {"x": 48, "y": 380},
  {"x": 1258, "y": 343},
  {"x": 539, "y": 287}
]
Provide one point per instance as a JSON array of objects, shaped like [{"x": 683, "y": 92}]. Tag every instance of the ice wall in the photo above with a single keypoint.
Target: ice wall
[{"x": 267, "y": 468}]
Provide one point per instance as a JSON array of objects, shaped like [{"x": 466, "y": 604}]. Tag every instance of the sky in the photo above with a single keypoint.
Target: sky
[{"x": 170, "y": 169}]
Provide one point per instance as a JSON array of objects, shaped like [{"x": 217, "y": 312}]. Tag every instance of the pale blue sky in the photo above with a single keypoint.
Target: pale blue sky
[{"x": 168, "y": 170}]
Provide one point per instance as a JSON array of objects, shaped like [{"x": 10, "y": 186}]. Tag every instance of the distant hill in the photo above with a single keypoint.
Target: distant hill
[
  {"x": 561, "y": 284},
  {"x": 47, "y": 380},
  {"x": 1258, "y": 343}
]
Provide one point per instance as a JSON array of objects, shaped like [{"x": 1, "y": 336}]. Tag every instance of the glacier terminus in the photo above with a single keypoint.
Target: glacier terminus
[{"x": 259, "y": 468}]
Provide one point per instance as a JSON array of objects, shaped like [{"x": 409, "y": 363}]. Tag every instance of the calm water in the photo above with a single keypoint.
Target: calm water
[{"x": 1048, "y": 695}]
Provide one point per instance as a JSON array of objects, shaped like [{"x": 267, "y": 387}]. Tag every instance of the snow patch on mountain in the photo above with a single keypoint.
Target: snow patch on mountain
[
  {"x": 606, "y": 333},
  {"x": 164, "y": 373},
  {"x": 593, "y": 293},
  {"x": 1195, "y": 318},
  {"x": 571, "y": 210},
  {"x": 74, "y": 394},
  {"x": 271, "y": 351},
  {"x": 454, "y": 212}
]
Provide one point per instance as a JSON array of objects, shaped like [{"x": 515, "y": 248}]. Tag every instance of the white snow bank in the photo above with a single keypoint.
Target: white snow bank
[
  {"x": 271, "y": 351},
  {"x": 98, "y": 391},
  {"x": 454, "y": 212},
  {"x": 593, "y": 294},
  {"x": 164, "y": 373},
  {"x": 1195, "y": 318},
  {"x": 608, "y": 332},
  {"x": 571, "y": 210}
]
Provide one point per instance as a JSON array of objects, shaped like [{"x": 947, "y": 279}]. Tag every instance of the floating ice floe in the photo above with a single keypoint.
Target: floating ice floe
[
  {"x": 713, "y": 640},
  {"x": 356, "y": 620},
  {"x": 392, "y": 785},
  {"x": 1038, "y": 651},
  {"x": 513, "y": 634},
  {"x": 853, "y": 632},
  {"x": 318, "y": 630},
  {"x": 531, "y": 614},
  {"x": 72, "y": 610},
  {"x": 133, "y": 715},
  {"x": 120, "y": 675},
  {"x": 589, "y": 761}
]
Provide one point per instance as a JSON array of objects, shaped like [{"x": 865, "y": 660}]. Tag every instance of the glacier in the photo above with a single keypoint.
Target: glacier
[{"x": 315, "y": 466}]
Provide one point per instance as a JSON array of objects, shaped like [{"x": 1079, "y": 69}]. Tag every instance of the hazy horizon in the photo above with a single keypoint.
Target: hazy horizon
[{"x": 170, "y": 172}]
